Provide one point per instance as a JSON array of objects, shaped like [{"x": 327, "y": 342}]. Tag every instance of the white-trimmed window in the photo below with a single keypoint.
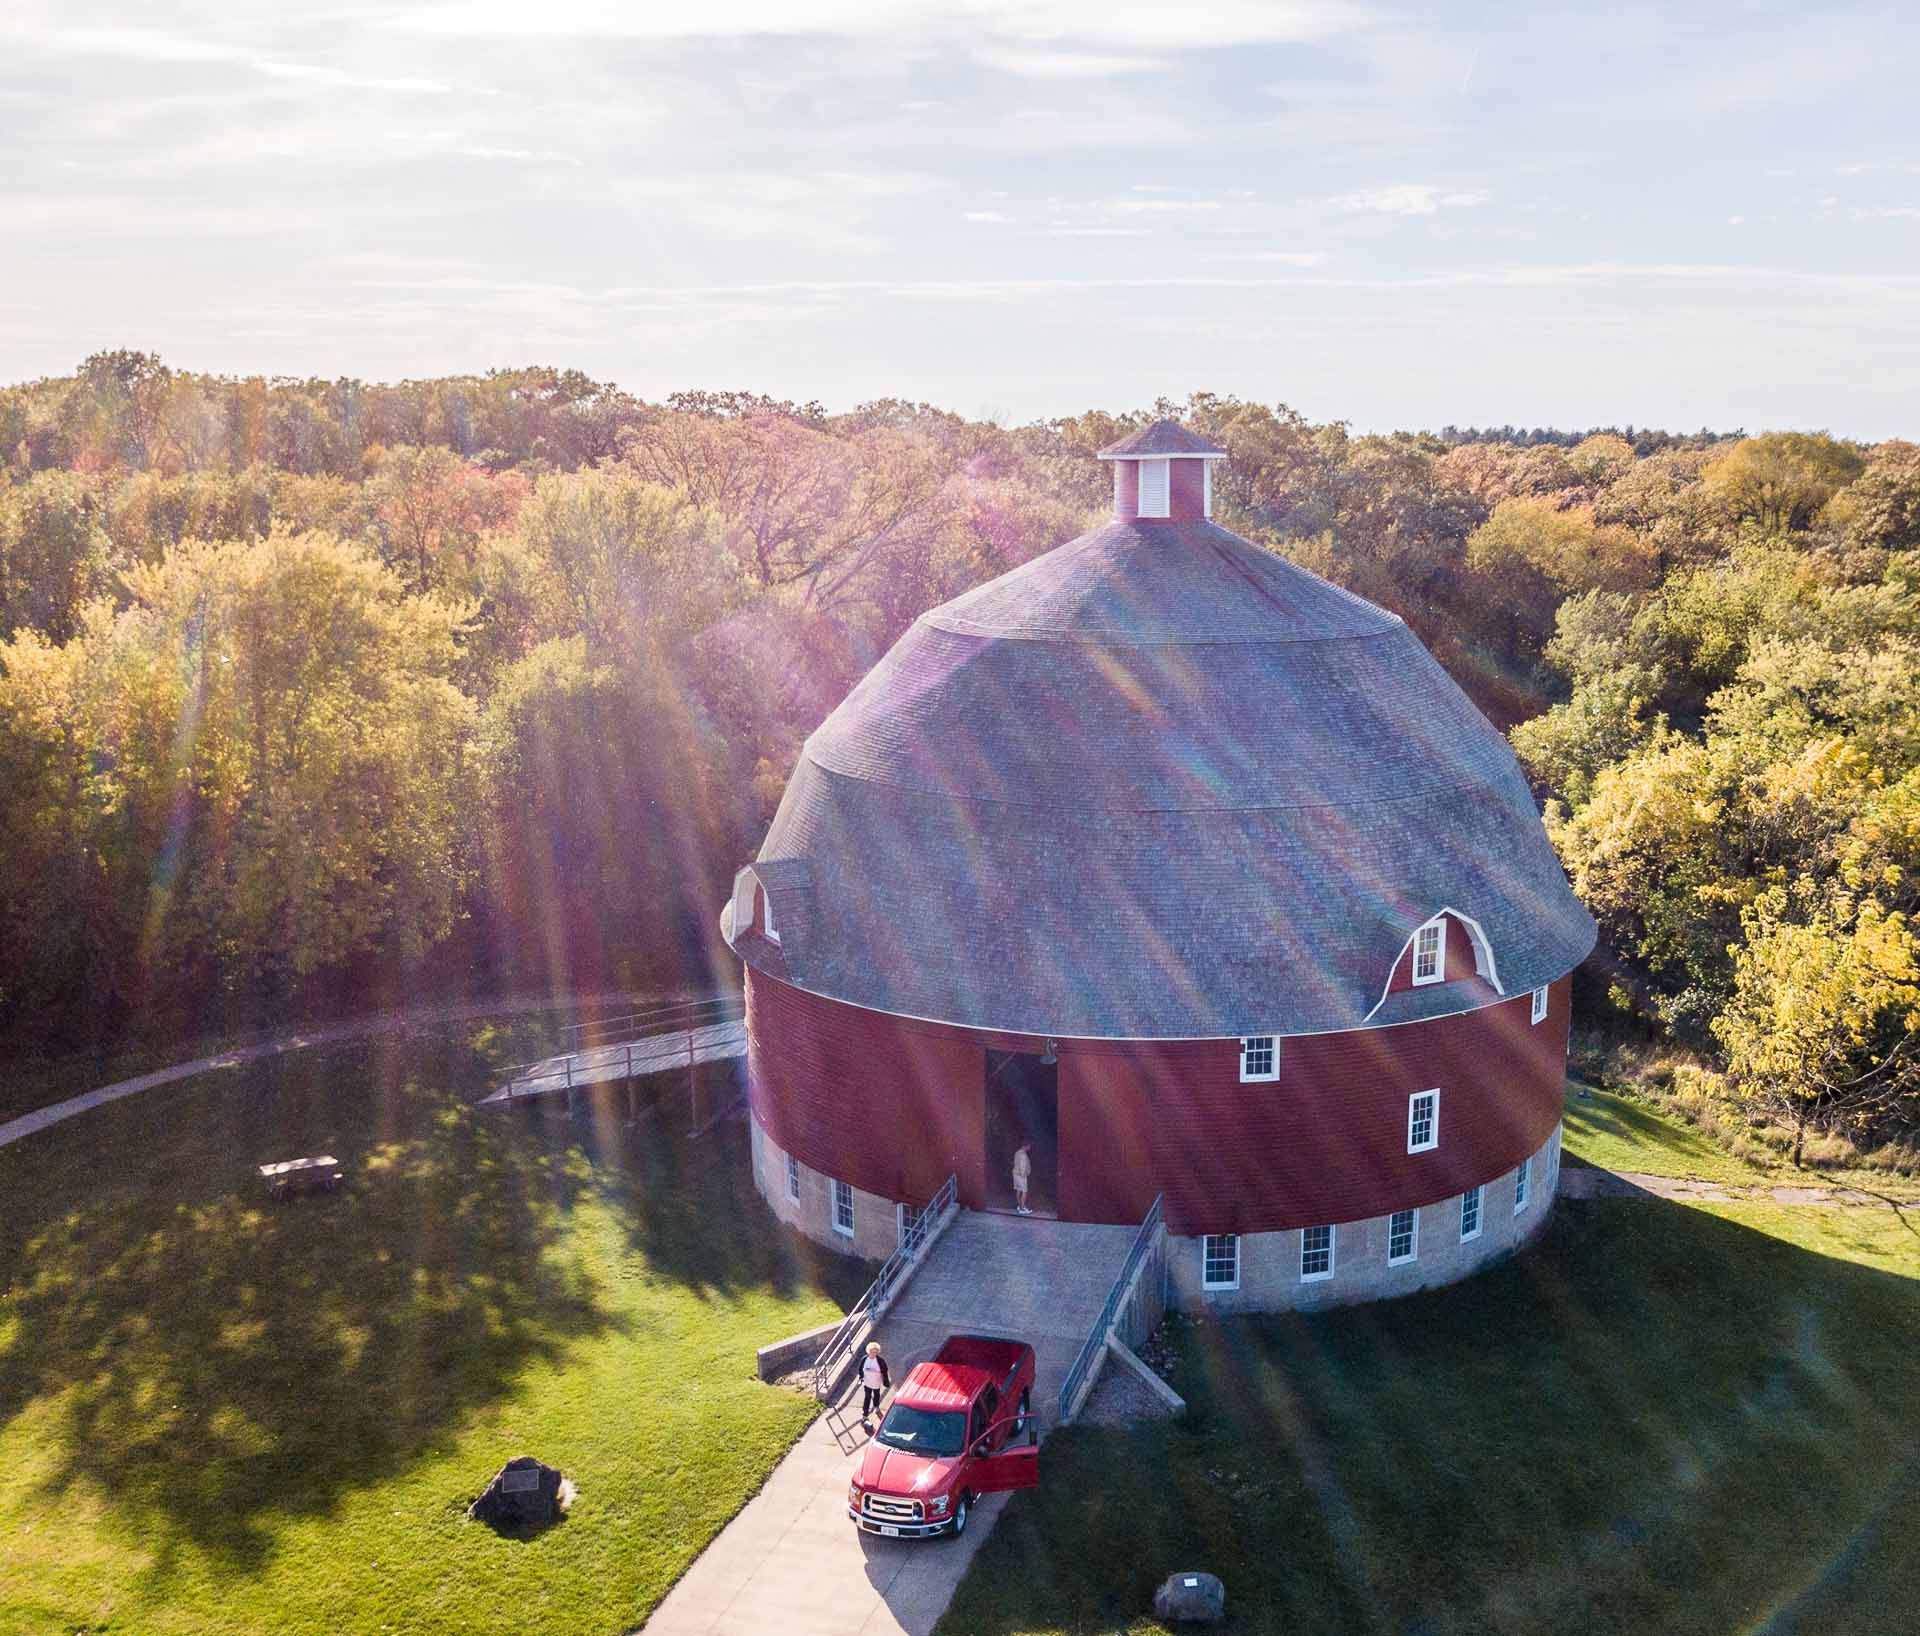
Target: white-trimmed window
[
  {"x": 1520, "y": 1179},
  {"x": 1469, "y": 1214},
  {"x": 773, "y": 936},
  {"x": 1403, "y": 1237},
  {"x": 1423, "y": 1121},
  {"x": 843, "y": 1208},
  {"x": 793, "y": 1178},
  {"x": 1259, "y": 1057},
  {"x": 1220, "y": 1261},
  {"x": 1539, "y": 1004},
  {"x": 1430, "y": 953},
  {"x": 1154, "y": 487},
  {"x": 1316, "y": 1254}
]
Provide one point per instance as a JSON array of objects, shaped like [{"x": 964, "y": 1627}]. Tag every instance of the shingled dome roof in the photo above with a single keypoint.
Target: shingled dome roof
[
  {"x": 1157, "y": 783},
  {"x": 1163, "y": 437}
]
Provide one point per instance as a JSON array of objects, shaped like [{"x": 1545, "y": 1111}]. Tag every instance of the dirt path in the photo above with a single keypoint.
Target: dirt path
[
  {"x": 298, "y": 1039},
  {"x": 1587, "y": 1182}
]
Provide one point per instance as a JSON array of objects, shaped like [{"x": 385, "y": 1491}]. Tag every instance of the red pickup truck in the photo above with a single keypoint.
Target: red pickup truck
[{"x": 959, "y": 1426}]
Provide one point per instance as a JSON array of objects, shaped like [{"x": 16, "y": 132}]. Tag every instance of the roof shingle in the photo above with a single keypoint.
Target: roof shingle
[
  {"x": 1162, "y": 437},
  {"x": 1156, "y": 783}
]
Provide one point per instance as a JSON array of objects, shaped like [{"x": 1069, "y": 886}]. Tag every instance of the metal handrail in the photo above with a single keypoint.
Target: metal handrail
[
  {"x": 873, "y": 1302},
  {"x": 1097, "y": 1336},
  {"x": 683, "y": 1018},
  {"x": 651, "y": 1016}
]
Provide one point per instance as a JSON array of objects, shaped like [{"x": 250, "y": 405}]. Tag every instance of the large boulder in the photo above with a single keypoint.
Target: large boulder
[
  {"x": 1193, "y": 1599},
  {"x": 523, "y": 1494}
]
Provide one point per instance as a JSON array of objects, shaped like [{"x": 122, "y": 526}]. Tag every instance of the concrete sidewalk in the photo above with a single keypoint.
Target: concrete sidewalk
[{"x": 793, "y": 1562}]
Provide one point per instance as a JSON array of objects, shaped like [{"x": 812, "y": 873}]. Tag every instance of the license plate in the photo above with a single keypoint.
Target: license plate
[{"x": 889, "y": 1530}]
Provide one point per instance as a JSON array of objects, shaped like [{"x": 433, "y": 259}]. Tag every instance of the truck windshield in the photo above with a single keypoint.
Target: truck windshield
[{"x": 922, "y": 1431}]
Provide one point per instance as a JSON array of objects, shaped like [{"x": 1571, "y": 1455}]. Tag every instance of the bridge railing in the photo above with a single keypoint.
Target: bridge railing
[
  {"x": 914, "y": 1242},
  {"x": 604, "y": 1040},
  {"x": 1134, "y": 1307}
]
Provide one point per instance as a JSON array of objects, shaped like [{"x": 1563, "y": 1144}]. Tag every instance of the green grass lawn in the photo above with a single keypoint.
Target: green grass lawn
[
  {"x": 222, "y": 1415},
  {"x": 1619, "y": 1132},
  {"x": 1657, "y": 1419}
]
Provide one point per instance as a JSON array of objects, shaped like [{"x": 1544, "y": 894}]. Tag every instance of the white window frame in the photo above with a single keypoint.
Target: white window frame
[
  {"x": 1433, "y": 1121},
  {"x": 1206, "y": 487},
  {"x": 1437, "y": 926},
  {"x": 1164, "y": 469},
  {"x": 1332, "y": 1240},
  {"x": 1249, "y": 1043},
  {"x": 836, "y": 1191},
  {"x": 1522, "y": 1177},
  {"x": 1539, "y": 1006},
  {"x": 767, "y": 899},
  {"x": 1469, "y": 1234},
  {"x": 1413, "y": 1238},
  {"x": 1207, "y": 1258},
  {"x": 793, "y": 1179}
]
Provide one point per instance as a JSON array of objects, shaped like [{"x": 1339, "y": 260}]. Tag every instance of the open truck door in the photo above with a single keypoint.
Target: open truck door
[
  {"x": 1015, "y": 1465},
  {"x": 1011, "y": 1468}
]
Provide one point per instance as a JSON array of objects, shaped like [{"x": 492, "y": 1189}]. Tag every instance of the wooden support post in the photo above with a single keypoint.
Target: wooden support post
[{"x": 693, "y": 1089}]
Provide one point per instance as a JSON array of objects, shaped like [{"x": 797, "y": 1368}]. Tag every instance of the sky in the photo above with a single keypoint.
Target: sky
[{"x": 1399, "y": 216}]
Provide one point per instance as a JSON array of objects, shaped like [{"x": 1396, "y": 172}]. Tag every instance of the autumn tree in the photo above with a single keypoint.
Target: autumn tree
[
  {"x": 1823, "y": 1025},
  {"x": 1780, "y": 481},
  {"x": 251, "y": 772}
]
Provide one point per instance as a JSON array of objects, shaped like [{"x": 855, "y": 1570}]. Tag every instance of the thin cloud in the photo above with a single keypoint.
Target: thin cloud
[
  {"x": 1114, "y": 25},
  {"x": 340, "y": 79},
  {"x": 1062, "y": 65},
  {"x": 996, "y": 218},
  {"x": 1408, "y": 199},
  {"x": 1278, "y": 258},
  {"x": 1134, "y": 207}
]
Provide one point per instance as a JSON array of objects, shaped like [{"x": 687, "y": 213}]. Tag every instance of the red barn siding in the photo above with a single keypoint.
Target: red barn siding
[
  {"x": 894, "y": 1106},
  {"x": 1186, "y": 491}
]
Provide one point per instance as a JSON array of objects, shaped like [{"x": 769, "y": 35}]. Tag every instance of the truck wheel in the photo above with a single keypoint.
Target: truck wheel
[{"x": 960, "y": 1517}]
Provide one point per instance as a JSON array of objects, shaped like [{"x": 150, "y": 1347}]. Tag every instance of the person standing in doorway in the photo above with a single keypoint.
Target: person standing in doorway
[
  {"x": 1022, "y": 1174},
  {"x": 874, "y": 1382}
]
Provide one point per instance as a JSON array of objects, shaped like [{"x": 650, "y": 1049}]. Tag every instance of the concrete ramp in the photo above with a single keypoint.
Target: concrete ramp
[
  {"x": 791, "y": 1562},
  {"x": 1020, "y": 1276}
]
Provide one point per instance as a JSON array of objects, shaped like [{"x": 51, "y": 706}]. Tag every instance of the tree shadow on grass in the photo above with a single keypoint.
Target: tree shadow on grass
[
  {"x": 1654, "y": 1420},
  {"x": 213, "y": 1361},
  {"x": 686, "y": 1200}
]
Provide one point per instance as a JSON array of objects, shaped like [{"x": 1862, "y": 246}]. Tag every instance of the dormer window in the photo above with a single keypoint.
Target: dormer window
[
  {"x": 1429, "y": 953},
  {"x": 773, "y": 936},
  {"x": 1155, "y": 488}
]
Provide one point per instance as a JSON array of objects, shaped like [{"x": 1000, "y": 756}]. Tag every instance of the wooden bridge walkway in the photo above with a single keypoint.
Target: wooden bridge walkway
[{"x": 643, "y": 1042}]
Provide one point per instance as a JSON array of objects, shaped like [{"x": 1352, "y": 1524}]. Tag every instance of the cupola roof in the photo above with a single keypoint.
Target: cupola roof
[{"x": 1163, "y": 437}]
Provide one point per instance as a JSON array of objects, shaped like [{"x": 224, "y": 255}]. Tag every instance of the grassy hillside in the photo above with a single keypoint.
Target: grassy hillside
[
  {"x": 1658, "y": 1419},
  {"x": 223, "y": 1415}
]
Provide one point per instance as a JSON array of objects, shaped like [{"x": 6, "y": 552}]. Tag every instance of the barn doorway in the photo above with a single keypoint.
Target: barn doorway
[{"x": 1023, "y": 1105}]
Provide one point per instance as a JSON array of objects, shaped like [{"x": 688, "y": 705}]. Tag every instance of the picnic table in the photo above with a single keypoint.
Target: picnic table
[{"x": 289, "y": 1176}]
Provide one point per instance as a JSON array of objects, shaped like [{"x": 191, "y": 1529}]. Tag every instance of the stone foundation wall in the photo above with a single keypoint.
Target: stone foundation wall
[
  {"x": 1270, "y": 1262},
  {"x": 875, "y": 1220}
]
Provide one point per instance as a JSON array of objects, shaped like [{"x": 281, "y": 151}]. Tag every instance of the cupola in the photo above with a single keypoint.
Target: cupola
[{"x": 1163, "y": 473}]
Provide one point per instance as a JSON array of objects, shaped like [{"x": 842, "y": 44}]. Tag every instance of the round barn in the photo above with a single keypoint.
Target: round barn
[{"x": 1192, "y": 873}]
